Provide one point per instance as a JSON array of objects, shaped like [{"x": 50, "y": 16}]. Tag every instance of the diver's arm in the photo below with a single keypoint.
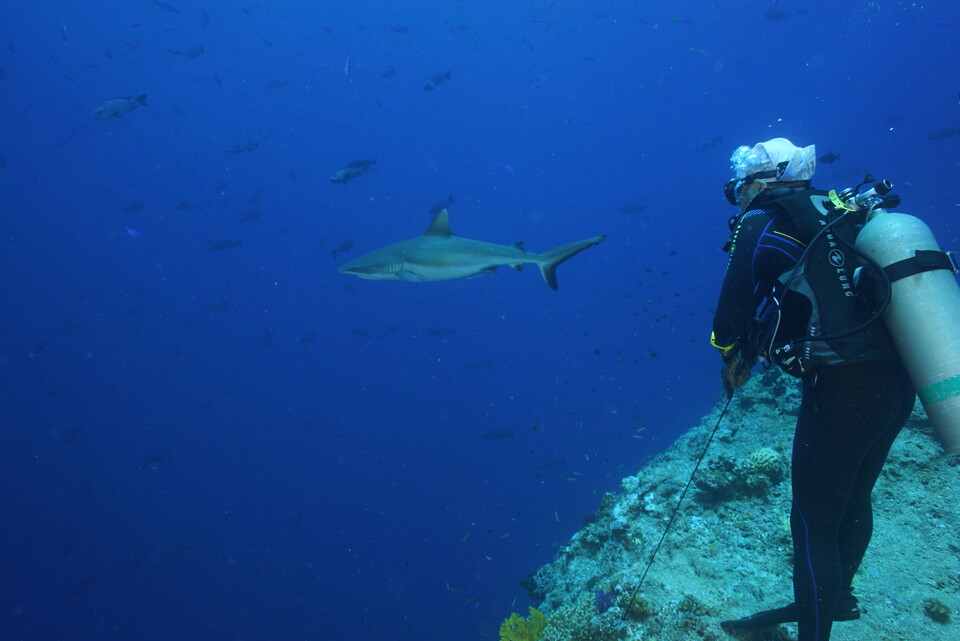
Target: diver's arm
[{"x": 737, "y": 302}]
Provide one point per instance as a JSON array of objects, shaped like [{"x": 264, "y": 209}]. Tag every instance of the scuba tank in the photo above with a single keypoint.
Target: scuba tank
[{"x": 923, "y": 316}]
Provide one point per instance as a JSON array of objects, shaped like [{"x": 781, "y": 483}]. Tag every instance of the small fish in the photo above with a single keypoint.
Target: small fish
[
  {"x": 225, "y": 243},
  {"x": 251, "y": 214},
  {"x": 441, "y": 331},
  {"x": 135, "y": 206},
  {"x": 943, "y": 132},
  {"x": 63, "y": 140},
  {"x": 204, "y": 19},
  {"x": 196, "y": 52},
  {"x": 440, "y": 205},
  {"x": 389, "y": 331},
  {"x": 153, "y": 461},
  {"x": 387, "y": 72},
  {"x": 478, "y": 364},
  {"x": 345, "y": 246},
  {"x": 80, "y": 587},
  {"x": 351, "y": 171},
  {"x": 683, "y": 19},
  {"x": 73, "y": 435},
  {"x": 166, "y": 7},
  {"x": 256, "y": 196},
  {"x": 436, "y": 81},
  {"x": 218, "y": 306},
  {"x": 117, "y": 107},
  {"x": 776, "y": 15},
  {"x": 893, "y": 119},
  {"x": 132, "y": 233},
  {"x": 710, "y": 144},
  {"x": 346, "y": 66},
  {"x": 631, "y": 209},
  {"x": 828, "y": 158},
  {"x": 242, "y": 147},
  {"x": 397, "y": 28},
  {"x": 537, "y": 81}
]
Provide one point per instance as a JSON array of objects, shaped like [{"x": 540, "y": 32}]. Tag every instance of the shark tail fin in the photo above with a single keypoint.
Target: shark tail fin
[{"x": 550, "y": 259}]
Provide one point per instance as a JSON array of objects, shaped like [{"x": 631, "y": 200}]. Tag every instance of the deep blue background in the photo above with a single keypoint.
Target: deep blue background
[{"x": 247, "y": 444}]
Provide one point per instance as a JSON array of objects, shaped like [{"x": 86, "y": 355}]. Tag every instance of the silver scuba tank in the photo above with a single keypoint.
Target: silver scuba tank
[{"x": 923, "y": 317}]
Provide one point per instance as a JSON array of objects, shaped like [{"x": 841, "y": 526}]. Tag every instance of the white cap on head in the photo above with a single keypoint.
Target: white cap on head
[{"x": 776, "y": 160}]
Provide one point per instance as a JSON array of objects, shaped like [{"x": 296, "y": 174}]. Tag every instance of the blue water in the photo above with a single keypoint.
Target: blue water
[{"x": 247, "y": 444}]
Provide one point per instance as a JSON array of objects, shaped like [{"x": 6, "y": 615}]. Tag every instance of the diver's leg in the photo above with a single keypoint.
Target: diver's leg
[
  {"x": 857, "y": 527},
  {"x": 843, "y": 418},
  {"x": 822, "y": 480}
]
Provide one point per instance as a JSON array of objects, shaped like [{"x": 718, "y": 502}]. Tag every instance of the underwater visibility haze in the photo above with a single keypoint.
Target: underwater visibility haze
[{"x": 210, "y": 431}]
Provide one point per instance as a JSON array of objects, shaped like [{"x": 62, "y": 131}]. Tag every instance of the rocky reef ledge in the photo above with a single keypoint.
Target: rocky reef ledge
[{"x": 728, "y": 553}]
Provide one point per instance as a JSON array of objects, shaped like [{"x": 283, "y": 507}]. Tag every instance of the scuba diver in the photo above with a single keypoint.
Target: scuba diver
[{"x": 797, "y": 293}]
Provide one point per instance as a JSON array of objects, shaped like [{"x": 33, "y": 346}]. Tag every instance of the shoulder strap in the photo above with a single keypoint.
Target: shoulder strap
[{"x": 808, "y": 209}]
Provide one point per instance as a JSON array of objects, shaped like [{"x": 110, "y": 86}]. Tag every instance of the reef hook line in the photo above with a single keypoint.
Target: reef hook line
[{"x": 677, "y": 507}]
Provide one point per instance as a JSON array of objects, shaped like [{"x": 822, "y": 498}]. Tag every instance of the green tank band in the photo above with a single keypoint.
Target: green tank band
[{"x": 940, "y": 391}]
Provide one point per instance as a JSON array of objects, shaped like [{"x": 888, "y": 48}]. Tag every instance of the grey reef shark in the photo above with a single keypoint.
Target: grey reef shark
[{"x": 439, "y": 255}]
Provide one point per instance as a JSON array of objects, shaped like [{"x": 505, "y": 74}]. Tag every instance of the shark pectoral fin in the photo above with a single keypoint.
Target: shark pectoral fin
[
  {"x": 486, "y": 271},
  {"x": 518, "y": 267},
  {"x": 410, "y": 277}
]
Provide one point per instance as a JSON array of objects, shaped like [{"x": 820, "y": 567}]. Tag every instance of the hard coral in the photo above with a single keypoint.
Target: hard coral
[
  {"x": 767, "y": 461},
  {"x": 516, "y": 628},
  {"x": 579, "y": 621},
  {"x": 636, "y": 608},
  {"x": 936, "y": 610},
  {"x": 724, "y": 478}
]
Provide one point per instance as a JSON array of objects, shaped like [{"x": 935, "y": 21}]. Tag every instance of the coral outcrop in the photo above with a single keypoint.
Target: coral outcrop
[{"x": 728, "y": 553}]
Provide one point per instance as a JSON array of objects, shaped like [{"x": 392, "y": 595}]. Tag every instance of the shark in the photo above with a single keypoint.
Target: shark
[{"x": 440, "y": 255}]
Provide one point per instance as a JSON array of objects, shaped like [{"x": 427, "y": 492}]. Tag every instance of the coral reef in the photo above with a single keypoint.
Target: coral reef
[
  {"x": 580, "y": 621},
  {"x": 728, "y": 553}
]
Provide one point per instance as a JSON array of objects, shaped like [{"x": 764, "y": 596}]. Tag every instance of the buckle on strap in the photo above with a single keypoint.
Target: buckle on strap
[{"x": 954, "y": 260}]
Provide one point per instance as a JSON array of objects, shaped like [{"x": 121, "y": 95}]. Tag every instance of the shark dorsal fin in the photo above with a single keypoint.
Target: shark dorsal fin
[{"x": 440, "y": 225}]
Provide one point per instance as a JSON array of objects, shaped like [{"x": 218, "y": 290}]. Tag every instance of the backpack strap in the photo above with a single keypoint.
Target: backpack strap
[{"x": 809, "y": 210}]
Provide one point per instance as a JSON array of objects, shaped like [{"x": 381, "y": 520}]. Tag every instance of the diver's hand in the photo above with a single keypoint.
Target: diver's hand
[{"x": 734, "y": 373}]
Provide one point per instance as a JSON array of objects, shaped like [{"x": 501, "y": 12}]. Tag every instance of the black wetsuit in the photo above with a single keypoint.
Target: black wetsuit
[{"x": 849, "y": 417}]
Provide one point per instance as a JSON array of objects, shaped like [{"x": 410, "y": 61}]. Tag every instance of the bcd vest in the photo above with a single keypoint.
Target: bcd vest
[{"x": 809, "y": 320}]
